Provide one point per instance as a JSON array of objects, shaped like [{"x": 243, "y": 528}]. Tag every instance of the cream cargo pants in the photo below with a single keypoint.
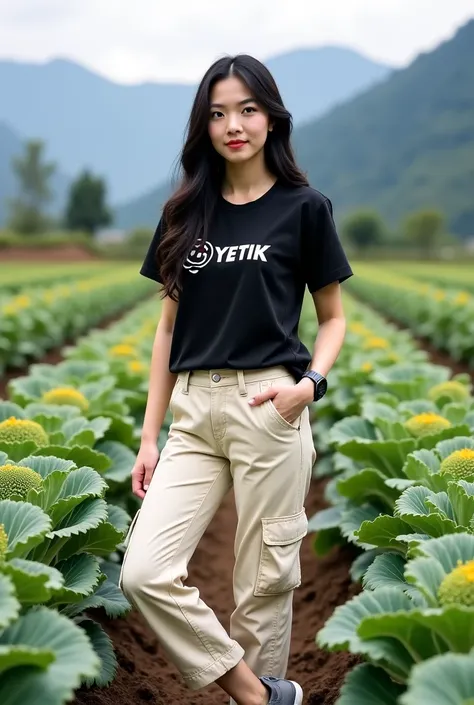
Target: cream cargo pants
[{"x": 218, "y": 440}]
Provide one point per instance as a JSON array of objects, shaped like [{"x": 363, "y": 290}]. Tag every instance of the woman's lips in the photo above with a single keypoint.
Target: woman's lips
[{"x": 236, "y": 144}]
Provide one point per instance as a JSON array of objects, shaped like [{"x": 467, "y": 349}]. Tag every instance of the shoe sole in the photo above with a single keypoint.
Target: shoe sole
[{"x": 299, "y": 694}]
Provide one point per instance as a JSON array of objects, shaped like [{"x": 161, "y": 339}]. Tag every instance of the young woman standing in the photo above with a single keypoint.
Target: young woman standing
[{"x": 236, "y": 247}]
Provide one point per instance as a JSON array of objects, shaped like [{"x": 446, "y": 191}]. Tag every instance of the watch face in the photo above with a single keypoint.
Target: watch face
[
  {"x": 321, "y": 388},
  {"x": 320, "y": 384}
]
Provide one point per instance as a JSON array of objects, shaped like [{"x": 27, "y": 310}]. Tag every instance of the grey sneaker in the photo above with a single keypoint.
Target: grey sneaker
[{"x": 283, "y": 692}]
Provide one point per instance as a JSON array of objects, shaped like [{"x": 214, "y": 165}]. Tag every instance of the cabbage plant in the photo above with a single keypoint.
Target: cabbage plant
[
  {"x": 41, "y": 652},
  {"x": 383, "y": 435},
  {"x": 57, "y": 531},
  {"x": 387, "y": 518},
  {"x": 47, "y": 386},
  {"x": 101, "y": 442},
  {"x": 406, "y": 615}
]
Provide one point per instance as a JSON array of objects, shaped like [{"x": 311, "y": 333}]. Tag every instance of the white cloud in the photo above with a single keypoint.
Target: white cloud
[{"x": 150, "y": 40}]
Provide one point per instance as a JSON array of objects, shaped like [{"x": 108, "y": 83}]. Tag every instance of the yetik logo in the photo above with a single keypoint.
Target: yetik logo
[
  {"x": 203, "y": 252},
  {"x": 200, "y": 255}
]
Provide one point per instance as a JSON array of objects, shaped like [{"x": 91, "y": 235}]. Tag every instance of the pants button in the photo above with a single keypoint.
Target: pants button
[{"x": 216, "y": 377}]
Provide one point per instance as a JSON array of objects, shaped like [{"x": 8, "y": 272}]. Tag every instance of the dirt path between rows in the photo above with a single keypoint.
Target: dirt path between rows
[{"x": 145, "y": 675}]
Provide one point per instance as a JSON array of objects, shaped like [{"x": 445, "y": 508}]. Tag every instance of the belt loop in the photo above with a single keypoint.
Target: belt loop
[
  {"x": 186, "y": 377},
  {"x": 242, "y": 387}
]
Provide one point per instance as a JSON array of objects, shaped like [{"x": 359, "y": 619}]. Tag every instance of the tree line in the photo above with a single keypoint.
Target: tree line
[
  {"x": 86, "y": 207},
  {"x": 86, "y": 210},
  {"x": 424, "y": 230}
]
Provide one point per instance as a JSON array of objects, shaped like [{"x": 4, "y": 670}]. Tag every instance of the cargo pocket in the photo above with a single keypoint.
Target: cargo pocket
[
  {"x": 126, "y": 544},
  {"x": 280, "y": 567}
]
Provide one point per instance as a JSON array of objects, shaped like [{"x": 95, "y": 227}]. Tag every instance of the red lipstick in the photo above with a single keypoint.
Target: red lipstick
[{"x": 235, "y": 144}]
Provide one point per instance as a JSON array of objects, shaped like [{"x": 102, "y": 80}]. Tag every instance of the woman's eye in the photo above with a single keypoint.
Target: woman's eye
[
  {"x": 251, "y": 108},
  {"x": 215, "y": 113}
]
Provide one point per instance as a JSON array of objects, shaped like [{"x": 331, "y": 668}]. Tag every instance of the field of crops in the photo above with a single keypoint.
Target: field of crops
[
  {"x": 395, "y": 440},
  {"x": 434, "y": 305}
]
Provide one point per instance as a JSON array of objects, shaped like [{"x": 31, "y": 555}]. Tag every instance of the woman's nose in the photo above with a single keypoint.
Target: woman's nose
[{"x": 233, "y": 124}]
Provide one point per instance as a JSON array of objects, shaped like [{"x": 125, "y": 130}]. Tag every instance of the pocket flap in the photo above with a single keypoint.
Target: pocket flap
[{"x": 280, "y": 531}]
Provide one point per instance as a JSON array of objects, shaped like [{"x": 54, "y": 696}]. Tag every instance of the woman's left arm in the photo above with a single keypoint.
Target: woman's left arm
[{"x": 330, "y": 336}]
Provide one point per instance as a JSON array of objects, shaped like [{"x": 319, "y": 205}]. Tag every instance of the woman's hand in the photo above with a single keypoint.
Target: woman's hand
[
  {"x": 144, "y": 467},
  {"x": 288, "y": 401}
]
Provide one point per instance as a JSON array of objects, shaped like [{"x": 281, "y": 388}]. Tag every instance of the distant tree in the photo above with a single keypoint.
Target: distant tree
[
  {"x": 363, "y": 228},
  {"x": 87, "y": 208},
  {"x": 27, "y": 210},
  {"x": 424, "y": 229}
]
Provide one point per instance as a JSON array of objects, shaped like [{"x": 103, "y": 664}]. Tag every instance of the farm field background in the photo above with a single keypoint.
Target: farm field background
[{"x": 383, "y": 603}]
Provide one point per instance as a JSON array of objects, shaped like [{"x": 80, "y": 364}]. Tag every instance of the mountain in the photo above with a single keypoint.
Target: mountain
[
  {"x": 405, "y": 144},
  {"x": 311, "y": 81},
  {"x": 132, "y": 134},
  {"x": 11, "y": 145},
  {"x": 144, "y": 210}
]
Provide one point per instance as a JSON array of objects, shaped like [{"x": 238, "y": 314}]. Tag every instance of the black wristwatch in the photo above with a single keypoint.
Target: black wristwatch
[{"x": 320, "y": 383}]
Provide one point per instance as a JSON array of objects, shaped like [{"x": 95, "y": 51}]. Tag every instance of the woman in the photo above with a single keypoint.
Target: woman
[{"x": 236, "y": 246}]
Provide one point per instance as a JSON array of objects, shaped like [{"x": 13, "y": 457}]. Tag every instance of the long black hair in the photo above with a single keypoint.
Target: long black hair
[{"x": 188, "y": 212}]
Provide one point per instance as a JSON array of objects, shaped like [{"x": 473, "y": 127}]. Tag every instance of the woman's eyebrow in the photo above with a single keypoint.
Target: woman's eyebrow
[{"x": 242, "y": 102}]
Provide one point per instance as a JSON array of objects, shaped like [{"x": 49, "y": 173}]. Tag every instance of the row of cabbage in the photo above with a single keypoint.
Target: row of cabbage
[
  {"x": 41, "y": 318},
  {"x": 444, "y": 315},
  {"x": 16, "y": 276},
  {"x": 443, "y": 275},
  {"x": 398, "y": 435},
  {"x": 67, "y": 439}
]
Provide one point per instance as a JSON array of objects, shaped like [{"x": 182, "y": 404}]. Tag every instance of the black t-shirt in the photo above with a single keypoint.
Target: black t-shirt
[{"x": 243, "y": 289}]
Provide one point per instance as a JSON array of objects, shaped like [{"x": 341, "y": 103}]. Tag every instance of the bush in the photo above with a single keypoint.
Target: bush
[{"x": 363, "y": 229}]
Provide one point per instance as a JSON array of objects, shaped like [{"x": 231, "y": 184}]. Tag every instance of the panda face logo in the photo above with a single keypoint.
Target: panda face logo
[{"x": 201, "y": 254}]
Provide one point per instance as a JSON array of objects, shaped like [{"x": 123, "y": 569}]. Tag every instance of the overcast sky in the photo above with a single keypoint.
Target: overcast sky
[{"x": 138, "y": 40}]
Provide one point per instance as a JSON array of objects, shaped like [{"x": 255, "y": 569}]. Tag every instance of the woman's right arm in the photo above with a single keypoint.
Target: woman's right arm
[{"x": 161, "y": 383}]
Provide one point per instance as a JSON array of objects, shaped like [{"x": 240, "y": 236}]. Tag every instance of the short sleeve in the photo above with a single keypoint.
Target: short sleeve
[
  {"x": 149, "y": 267},
  {"x": 323, "y": 257}
]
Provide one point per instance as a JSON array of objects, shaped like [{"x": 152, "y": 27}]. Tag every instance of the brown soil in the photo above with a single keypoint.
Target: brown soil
[
  {"x": 66, "y": 253},
  {"x": 145, "y": 675}
]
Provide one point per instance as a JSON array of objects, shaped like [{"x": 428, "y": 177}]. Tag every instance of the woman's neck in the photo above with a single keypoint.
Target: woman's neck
[{"x": 246, "y": 182}]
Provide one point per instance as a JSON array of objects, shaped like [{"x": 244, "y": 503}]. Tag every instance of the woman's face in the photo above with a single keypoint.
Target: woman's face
[{"x": 238, "y": 126}]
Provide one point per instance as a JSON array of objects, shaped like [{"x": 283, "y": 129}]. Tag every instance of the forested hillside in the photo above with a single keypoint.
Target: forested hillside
[{"x": 405, "y": 144}]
